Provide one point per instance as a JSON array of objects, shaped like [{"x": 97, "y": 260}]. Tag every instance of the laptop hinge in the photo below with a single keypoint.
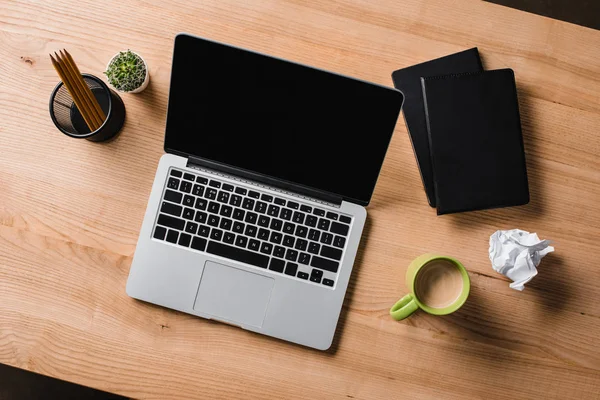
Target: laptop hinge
[{"x": 252, "y": 177}]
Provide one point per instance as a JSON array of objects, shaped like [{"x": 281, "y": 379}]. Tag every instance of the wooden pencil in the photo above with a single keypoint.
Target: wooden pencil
[
  {"x": 79, "y": 103},
  {"x": 88, "y": 91}
]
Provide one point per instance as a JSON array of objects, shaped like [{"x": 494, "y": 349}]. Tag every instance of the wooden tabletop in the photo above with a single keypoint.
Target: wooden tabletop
[{"x": 71, "y": 210}]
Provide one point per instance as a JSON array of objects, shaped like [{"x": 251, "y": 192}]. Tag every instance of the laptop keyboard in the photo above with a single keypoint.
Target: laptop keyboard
[{"x": 253, "y": 227}]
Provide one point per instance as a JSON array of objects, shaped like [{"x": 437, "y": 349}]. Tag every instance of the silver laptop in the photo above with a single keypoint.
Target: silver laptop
[{"x": 257, "y": 209}]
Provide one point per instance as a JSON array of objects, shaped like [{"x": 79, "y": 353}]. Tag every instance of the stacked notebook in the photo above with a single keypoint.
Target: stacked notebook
[{"x": 465, "y": 130}]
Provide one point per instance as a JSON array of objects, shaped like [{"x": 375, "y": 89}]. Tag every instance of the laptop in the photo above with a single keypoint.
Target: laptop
[{"x": 258, "y": 205}]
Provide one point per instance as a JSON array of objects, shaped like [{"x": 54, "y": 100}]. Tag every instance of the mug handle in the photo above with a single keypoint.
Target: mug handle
[{"x": 404, "y": 307}]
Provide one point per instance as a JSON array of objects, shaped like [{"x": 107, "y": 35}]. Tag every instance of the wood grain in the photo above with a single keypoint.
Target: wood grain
[{"x": 70, "y": 211}]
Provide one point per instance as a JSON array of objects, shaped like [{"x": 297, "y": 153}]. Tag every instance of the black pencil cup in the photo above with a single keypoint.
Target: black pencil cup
[{"x": 68, "y": 119}]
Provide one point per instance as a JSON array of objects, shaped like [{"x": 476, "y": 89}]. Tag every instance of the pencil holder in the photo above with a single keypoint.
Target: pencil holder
[{"x": 68, "y": 119}]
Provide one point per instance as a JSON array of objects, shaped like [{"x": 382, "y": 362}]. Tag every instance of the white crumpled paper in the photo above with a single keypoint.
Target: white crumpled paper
[{"x": 516, "y": 254}]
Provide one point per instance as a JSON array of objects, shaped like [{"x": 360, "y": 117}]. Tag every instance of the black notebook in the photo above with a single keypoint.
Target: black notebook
[
  {"x": 475, "y": 141},
  {"x": 408, "y": 81}
]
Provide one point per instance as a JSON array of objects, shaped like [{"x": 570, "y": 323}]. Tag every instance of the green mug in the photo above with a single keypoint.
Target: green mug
[{"x": 411, "y": 302}]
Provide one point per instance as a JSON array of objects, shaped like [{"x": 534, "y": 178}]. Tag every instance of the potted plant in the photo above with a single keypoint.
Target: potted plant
[{"x": 127, "y": 72}]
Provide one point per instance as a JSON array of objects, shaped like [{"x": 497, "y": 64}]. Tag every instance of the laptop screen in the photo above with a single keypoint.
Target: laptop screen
[{"x": 279, "y": 119}]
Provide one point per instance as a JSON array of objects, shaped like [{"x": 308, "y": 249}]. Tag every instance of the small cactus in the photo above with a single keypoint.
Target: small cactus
[{"x": 126, "y": 71}]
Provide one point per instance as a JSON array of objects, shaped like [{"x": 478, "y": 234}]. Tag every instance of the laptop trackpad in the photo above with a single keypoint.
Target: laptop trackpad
[{"x": 233, "y": 295}]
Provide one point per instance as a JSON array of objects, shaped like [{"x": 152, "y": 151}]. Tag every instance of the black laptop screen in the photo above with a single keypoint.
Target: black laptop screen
[{"x": 278, "y": 118}]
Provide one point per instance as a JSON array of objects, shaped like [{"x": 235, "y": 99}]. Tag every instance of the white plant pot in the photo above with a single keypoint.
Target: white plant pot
[{"x": 146, "y": 78}]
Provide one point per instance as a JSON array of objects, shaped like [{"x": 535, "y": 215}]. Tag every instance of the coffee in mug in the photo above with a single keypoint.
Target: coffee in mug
[{"x": 438, "y": 283}]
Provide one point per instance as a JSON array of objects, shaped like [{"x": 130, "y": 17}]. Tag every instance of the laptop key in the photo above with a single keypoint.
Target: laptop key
[
  {"x": 250, "y": 231},
  {"x": 203, "y": 230},
  {"x": 276, "y": 265},
  {"x": 248, "y": 204},
  {"x": 319, "y": 212},
  {"x": 275, "y": 238},
  {"x": 266, "y": 248},
  {"x": 215, "y": 184},
  {"x": 239, "y": 214},
  {"x": 188, "y": 213},
  {"x": 185, "y": 239},
  {"x": 305, "y": 208},
  {"x": 276, "y": 224},
  {"x": 226, "y": 210},
  {"x": 298, "y": 217},
  {"x": 327, "y": 282},
  {"x": 331, "y": 215},
  {"x": 293, "y": 204},
  {"x": 201, "y": 204},
  {"x": 254, "y": 194},
  {"x": 263, "y": 220},
  {"x": 316, "y": 275},
  {"x": 266, "y": 198},
  {"x": 175, "y": 197},
  {"x": 311, "y": 221},
  {"x": 202, "y": 180},
  {"x": 171, "y": 222},
  {"x": 304, "y": 258},
  {"x": 251, "y": 217},
  {"x": 263, "y": 234},
  {"x": 172, "y": 236},
  {"x": 191, "y": 227},
  {"x": 291, "y": 255},
  {"x": 185, "y": 186},
  {"x": 172, "y": 209},
  {"x": 314, "y": 234},
  {"x": 210, "y": 194},
  {"x": 173, "y": 183},
  {"x": 228, "y": 187},
  {"x": 325, "y": 264},
  {"x": 288, "y": 241},
  {"x": 229, "y": 237},
  {"x": 176, "y": 173},
  {"x": 286, "y": 214},
  {"x": 323, "y": 224},
  {"x": 339, "y": 241},
  {"x": 261, "y": 207},
  {"x": 213, "y": 220},
  {"x": 200, "y": 217},
  {"x": 326, "y": 238},
  {"x": 241, "y": 241},
  {"x": 288, "y": 227},
  {"x": 273, "y": 210},
  {"x": 314, "y": 248},
  {"x": 198, "y": 190},
  {"x": 235, "y": 200},
  {"x": 301, "y": 244},
  {"x": 302, "y": 275},
  {"x": 279, "y": 251},
  {"x": 223, "y": 197},
  {"x": 216, "y": 234},
  {"x": 238, "y": 227},
  {"x": 340, "y": 229},
  {"x": 188, "y": 200},
  {"x": 198, "y": 243},
  {"x": 160, "y": 233},
  {"x": 301, "y": 231},
  {"x": 214, "y": 207},
  {"x": 253, "y": 244},
  {"x": 331, "y": 252},
  {"x": 189, "y": 177},
  {"x": 237, "y": 254},
  {"x": 291, "y": 268},
  {"x": 279, "y": 201},
  {"x": 240, "y": 190},
  {"x": 225, "y": 223}
]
